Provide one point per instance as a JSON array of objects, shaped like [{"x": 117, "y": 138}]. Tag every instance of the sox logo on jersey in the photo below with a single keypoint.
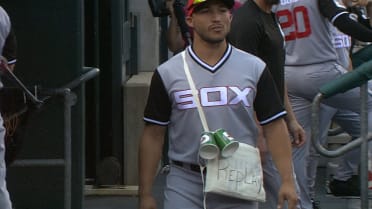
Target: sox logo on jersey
[{"x": 213, "y": 96}]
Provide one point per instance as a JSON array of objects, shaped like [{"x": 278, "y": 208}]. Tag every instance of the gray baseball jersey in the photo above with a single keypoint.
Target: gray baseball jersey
[
  {"x": 342, "y": 44},
  {"x": 230, "y": 93},
  {"x": 307, "y": 31}
]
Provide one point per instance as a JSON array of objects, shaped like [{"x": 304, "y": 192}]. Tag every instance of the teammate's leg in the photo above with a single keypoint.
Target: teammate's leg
[
  {"x": 307, "y": 87},
  {"x": 325, "y": 116},
  {"x": 350, "y": 123},
  {"x": 303, "y": 84},
  {"x": 345, "y": 180},
  {"x": 349, "y": 162},
  {"x": 4, "y": 195}
]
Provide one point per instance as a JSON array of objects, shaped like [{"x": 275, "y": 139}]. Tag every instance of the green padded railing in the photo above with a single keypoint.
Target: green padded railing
[{"x": 348, "y": 81}]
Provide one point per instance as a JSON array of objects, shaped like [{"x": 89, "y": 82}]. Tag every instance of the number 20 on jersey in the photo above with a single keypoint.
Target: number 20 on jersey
[{"x": 295, "y": 23}]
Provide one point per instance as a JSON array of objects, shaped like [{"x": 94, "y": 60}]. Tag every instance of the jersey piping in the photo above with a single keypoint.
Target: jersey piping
[
  {"x": 207, "y": 66},
  {"x": 336, "y": 16}
]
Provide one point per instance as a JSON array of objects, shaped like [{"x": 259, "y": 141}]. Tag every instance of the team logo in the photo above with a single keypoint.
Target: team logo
[
  {"x": 213, "y": 96},
  {"x": 341, "y": 41}
]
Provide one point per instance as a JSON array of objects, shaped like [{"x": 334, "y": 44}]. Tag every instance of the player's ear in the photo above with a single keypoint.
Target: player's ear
[{"x": 189, "y": 21}]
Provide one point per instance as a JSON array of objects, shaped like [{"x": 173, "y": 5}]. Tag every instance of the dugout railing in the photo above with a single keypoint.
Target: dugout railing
[
  {"x": 359, "y": 77},
  {"x": 69, "y": 99}
]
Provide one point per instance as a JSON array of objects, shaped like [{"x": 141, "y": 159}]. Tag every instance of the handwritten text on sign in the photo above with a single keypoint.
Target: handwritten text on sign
[{"x": 237, "y": 174}]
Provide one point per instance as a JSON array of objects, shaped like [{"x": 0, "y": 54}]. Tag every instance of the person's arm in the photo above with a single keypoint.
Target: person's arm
[
  {"x": 175, "y": 41},
  {"x": 174, "y": 37},
  {"x": 369, "y": 12},
  {"x": 261, "y": 143},
  {"x": 157, "y": 115},
  {"x": 150, "y": 152},
  {"x": 278, "y": 143},
  {"x": 360, "y": 12},
  {"x": 295, "y": 129},
  {"x": 340, "y": 18},
  {"x": 270, "y": 113}
]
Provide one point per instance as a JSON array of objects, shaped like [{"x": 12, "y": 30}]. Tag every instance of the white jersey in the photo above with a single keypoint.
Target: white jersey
[
  {"x": 4, "y": 31},
  {"x": 308, "y": 33}
]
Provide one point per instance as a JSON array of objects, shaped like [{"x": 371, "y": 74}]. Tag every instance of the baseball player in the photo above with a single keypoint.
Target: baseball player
[
  {"x": 311, "y": 61},
  {"x": 255, "y": 29},
  {"x": 350, "y": 121},
  {"x": 5, "y": 203},
  {"x": 232, "y": 87}
]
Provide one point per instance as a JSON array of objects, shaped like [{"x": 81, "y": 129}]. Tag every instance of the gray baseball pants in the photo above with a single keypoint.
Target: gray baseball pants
[
  {"x": 303, "y": 83},
  {"x": 349, "y": 162}
]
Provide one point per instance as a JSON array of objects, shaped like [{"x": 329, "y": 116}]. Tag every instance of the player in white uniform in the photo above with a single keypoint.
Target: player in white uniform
[
  {"x": 311, "y": 61},
  {"x": 232, "y": 85},
  {"x": 5, "y": 203}
]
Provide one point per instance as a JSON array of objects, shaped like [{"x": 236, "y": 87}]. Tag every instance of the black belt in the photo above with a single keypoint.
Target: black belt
[{"x": 188, "y": 166}]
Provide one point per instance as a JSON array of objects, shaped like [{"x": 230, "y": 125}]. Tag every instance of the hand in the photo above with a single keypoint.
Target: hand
[
  {"x": 4, "y": 64},
  {"x": 147, "y": 202},
  {"x": 169, "y": 6},
  {"x": 287, "y": 192},
  {"x": 297, "y": 133},
  {"x": 351, "y": 3},
  {"x": 362, "y": 3}
]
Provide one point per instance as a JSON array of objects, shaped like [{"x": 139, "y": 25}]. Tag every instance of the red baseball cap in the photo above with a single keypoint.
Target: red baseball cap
[{"x": 191, "y": 4}]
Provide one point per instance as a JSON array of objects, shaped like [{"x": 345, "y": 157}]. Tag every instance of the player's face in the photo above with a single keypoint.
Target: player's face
[{"x": 211, "y": 22}]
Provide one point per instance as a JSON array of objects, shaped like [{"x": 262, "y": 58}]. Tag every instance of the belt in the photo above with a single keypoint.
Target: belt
[{"x": 188, "y": 166}]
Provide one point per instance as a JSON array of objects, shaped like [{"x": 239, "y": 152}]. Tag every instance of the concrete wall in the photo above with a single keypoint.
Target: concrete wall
[
  {"x": 135, "y": 96},
  {"x": 136, "y": 88},
  {"x": 149, "y": 34}
]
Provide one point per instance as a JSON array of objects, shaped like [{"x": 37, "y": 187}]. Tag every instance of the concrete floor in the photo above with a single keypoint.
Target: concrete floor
[{"x": 123, "y": 201}]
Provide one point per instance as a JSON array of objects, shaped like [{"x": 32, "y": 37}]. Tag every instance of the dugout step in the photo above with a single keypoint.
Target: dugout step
[{"x": 111, "y": 190}]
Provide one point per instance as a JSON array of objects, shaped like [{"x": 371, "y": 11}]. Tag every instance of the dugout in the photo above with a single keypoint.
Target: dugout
[
  {"x": 50, "y": 54},
  {"x": 56, "y": 40}
]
